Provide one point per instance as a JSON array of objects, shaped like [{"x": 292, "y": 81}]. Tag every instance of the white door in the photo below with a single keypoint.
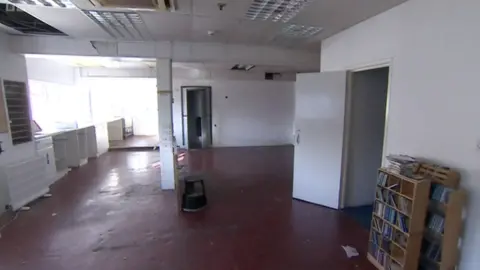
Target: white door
[{"x": 319, "y": 125}]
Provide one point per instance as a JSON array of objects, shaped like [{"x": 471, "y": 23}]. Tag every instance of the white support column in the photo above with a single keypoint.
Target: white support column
[{"x": 165, "y": 123}]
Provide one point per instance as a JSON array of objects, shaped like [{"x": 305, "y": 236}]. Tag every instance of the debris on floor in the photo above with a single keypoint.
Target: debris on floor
[
  {"x": 350, "y": 251},
  {"x": 54, "y": 214}
]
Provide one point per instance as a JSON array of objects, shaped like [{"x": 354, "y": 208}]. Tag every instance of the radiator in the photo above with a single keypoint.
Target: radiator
[{"x": 26, "y": 181}]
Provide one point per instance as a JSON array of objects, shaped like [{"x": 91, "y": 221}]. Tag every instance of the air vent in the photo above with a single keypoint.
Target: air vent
[
  {"x": 242, "y": 67},
  {"x": 18, "y": 108},
  {"x": 120, "y": 25},
  {"x": 137, "y": 4},
  {"x": 300, "y": 31},
  {"x": 46, "y": 3},
  {"x": 22, "y": 21},
  {"x": 275, "y": 10}
]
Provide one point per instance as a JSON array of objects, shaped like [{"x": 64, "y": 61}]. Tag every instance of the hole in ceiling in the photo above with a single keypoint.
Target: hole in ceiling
[
  {"x": 46, "y": 3},
  {"x": 242, "y": 67},
  {"x": 275, "y": 10},
  {"x": 21, "y": 21}
]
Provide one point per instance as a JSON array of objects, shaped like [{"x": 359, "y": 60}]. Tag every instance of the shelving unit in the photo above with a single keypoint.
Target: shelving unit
[
  {"x": 398, "y": 221},
  {"x": 440, "y": 250}
]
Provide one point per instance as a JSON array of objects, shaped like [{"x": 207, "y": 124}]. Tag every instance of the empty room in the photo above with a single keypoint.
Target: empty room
[{"x": 239, "y": 134}]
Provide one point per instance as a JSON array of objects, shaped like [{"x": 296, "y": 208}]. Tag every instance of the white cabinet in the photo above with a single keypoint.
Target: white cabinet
[
  {"x": 101, "y": 132},
  {"x": 26, "y": 180},
  {"x": 115, "y": 130},
  {"x": 73, "y": 149},
  {"x": 82, "y": 145},
  {"x": 44, "y": 148},
  {"x": 60, "y": 149},
  {"x": 97, "y": 137}
]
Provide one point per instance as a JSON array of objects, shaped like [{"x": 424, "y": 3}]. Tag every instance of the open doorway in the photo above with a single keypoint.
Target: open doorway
[
  {"x": 367, "y": 122},
  {"x": 196, "y": 120}
]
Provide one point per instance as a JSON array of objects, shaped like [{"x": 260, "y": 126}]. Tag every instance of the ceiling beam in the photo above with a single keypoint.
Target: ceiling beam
[{"x": 177, "y": 51}]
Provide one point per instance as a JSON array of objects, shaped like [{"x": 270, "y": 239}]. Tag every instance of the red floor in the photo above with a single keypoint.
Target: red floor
[
  {"x": 111, "y": 215},
  {"x": 135, "y": 142}
]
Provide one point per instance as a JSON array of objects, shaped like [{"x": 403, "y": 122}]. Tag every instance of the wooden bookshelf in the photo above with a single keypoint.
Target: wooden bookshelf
[
  {"x": 398, "y": 221},
  {"x": 450, "y": 208}
]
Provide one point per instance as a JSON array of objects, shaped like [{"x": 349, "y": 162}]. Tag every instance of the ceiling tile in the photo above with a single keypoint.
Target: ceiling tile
[
  {"x": 168, "y": 26},
  {"x": 234, "y": 9},
  {"x": 254, "y": 32}
]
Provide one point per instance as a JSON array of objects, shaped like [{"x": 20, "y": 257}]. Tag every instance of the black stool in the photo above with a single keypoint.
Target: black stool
[{"x": 194, "y": 198}]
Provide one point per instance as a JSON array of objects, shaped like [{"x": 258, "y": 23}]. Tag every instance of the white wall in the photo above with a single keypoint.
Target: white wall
[
  {"x": 12, "y": 67},
  {"x": 50, "y": 71},
  {"x": 433, "y": 111},
  {"x": 256, "y": 113},
  {"x": 367, "y": 126}
]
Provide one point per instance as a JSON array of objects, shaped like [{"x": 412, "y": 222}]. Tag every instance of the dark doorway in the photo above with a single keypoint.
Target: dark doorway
[{"x": 197, "y": 124}]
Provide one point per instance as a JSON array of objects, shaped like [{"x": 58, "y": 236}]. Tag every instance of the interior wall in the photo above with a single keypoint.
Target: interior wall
[
  {"x": 244, "y": 113},
  {"x": 367, "y": 125},
  {"x": 433, "y": 49},
  {"x": 12, "y": 67},
  {"x": 48, "y": 70}
]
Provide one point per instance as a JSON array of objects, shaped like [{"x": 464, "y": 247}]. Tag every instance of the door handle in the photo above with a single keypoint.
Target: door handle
[{"x": 297, "y": 137}]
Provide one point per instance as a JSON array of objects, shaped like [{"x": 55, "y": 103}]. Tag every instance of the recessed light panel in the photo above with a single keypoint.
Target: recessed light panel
[
  {"x": 275, "y": 10},
  {"x": 300, "y": 31},
  {"x": 120, "y": 25},
  {"x": 46, "y": 3}
]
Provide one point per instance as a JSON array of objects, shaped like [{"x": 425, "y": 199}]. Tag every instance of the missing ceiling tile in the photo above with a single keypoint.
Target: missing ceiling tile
[
  {"x": 242, "y": 67},
  {"x": 45, "y": 3},
  {"x": 21, "y": 21}
]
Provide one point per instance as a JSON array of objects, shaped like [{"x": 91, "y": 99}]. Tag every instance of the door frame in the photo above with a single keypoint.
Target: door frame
[
  {"x": 347, "y": 123},
  {"x": 183, "y": 96}
]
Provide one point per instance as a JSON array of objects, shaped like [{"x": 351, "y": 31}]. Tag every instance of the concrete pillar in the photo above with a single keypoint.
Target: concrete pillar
[{"x": 165, "y": 124}]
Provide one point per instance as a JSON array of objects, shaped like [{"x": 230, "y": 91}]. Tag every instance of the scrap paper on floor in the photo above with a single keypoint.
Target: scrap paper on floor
[{"x": 350, "y": 251}]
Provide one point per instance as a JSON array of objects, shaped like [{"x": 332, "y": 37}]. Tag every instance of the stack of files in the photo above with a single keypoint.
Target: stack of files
[
  {"x": 436, "y": 223},
  {"x": 433, "y": 252},
  {"x": 440, "y": 193}
]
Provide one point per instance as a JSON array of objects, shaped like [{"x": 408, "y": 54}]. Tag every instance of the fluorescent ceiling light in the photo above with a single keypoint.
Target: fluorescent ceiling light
[
  {"x": 46, "y": 3},
  {"x": 275, "y": 10},
  {"x": 242, "y": 67},
  {"x": 120, "y": 25},
  {"x": 300, "y": 31}
]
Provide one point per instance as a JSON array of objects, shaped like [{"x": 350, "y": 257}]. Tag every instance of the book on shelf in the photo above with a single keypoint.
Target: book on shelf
[
  {"x": 392, "y": 201},
  {"x": 402, "y": 222},
  {"x": 403, "y": 205},
  {"x": 436, "y": 223},
  {"x": 440, "y": 193},
  {"x": 382, "y": 179},
  {"x": 433, "y": 251}
]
